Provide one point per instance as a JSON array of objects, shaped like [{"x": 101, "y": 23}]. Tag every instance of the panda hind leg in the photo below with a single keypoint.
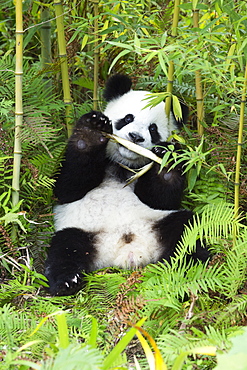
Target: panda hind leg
[
  {"x": 170, "y": 229},
  {"x": 71, "y": 253}
]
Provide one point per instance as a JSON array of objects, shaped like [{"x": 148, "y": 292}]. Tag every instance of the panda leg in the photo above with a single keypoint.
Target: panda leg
[
  {"x": 71, "y": 253},
  {"x": 170, "y": 230}
]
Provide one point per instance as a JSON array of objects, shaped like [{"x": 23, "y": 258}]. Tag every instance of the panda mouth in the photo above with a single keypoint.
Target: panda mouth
[{"x": 126, "y": 153}]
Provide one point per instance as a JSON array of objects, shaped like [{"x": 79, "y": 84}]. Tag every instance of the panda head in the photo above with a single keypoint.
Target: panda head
[{"x": 145, "y": 127}]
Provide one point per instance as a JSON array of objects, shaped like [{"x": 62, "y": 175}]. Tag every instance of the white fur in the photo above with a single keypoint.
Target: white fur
[
  {"x": 122, "y": 223},
  {"x": 112, "y": 211},
  {"x": 133, "y": 102}
]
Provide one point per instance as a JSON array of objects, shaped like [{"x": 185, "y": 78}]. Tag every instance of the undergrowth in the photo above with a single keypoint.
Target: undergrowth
[{"x": 192, "y": 316}]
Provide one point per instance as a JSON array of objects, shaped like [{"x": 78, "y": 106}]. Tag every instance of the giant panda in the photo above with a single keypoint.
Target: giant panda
[{"x": 101, "y": 222}]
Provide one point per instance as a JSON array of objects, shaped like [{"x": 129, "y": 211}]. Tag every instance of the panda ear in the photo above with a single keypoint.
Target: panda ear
[{"x": 116, "y": 86}]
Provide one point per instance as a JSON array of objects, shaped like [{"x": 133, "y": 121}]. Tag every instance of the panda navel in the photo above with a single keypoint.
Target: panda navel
[{"x": 128, "y": 238}]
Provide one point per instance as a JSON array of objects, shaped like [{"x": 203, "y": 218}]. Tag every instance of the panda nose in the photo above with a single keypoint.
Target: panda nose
[{"x": 135, "y": 137}]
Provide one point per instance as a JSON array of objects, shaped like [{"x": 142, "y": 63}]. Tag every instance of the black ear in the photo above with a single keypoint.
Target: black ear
[{"x": 117, "y": 85}]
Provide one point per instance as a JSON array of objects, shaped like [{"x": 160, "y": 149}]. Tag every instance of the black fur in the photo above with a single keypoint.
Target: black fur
[
  {"x": 170, "y": 230},
  {"x": 84, "y": 165},
  {"x": 73, "y": 250},
  {"x": 117, "y": 85},
  {"x": 161, "y": 189}
]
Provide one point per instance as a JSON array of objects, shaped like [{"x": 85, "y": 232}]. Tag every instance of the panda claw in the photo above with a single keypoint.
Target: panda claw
[
  {"x": 160, "y": 152},
  {"x": 66, "y": 286}
]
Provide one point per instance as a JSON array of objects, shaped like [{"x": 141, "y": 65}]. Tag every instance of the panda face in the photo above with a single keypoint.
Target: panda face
[{"x": 145, "y": 127}]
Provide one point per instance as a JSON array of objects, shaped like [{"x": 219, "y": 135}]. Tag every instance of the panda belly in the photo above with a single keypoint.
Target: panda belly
[{"x": 121, "y": 223}]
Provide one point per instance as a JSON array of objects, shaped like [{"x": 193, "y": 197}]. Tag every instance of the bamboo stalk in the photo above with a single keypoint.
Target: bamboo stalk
[
  {"x": 96, "y": 55},
  {"x": 64, "y": 64},
  {"x": 18, "y": 103},
  {"x": 45, "y": 38},
  {"x": 239, "y": 146},
  {"x": 171, "y": 64},
  {"x": 199, "y": 92}
]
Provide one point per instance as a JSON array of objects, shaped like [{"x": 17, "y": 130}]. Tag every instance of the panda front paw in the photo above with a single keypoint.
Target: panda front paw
[
  {"x": 176, "y": 173},
  {"x": 160, "y": 151},
  {"x": 89, "y": 131},
  {"x": 96, "y": 121},
  {"x": 65, "y": 285}
]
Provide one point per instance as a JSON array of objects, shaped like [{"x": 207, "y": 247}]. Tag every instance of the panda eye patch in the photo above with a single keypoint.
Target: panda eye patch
[
  {"x": 124, "y": 121},
  {"x": 155, "y": 136},
  {"x": 129, "y": 118}
]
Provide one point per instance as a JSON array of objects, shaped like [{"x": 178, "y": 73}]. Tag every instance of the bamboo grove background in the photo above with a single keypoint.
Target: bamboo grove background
[{"x": 55, "y": 59}]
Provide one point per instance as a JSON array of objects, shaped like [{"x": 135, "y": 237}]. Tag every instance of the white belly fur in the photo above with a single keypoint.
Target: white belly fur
[{"x": 113, "y": 211}]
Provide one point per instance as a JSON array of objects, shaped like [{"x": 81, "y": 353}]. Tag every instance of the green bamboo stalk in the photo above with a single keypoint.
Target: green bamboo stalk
[
  {"x": 199, "y": 92},
  {"x": 96, "y": 55},
  {"x": 18, "y": 103},
  {"x": 64, "y": 64},
  {"x": 239, "y": 147},
  {"x": 171, "y": 64},
  {"x": 45, "y": 38}
]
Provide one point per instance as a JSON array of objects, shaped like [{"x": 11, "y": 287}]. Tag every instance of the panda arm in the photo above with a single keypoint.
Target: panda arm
[
  {"x": 161, "y": 190},
  {"x": 84, "y": 165}
]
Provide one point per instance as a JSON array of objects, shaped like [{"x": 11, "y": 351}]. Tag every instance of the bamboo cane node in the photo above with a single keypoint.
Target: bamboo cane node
[
  {"x": 236, "y": 183},
  {"x": 18, "y": 73},
  {"x": 19, "y": 32},
  {"x": 62, "y": 55},
  {"x": 241, "y": 144},
  {"x": 19, "y": 113},
  {"x": 199, "y": 99},
  {"x": 170, "y": 81},
  {"x": 243, "y": 101},
  {"x": 55, "y": 3}
]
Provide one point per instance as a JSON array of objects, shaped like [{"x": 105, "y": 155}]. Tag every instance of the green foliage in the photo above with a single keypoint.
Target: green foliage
[
  {"x": 188, "y": 308},
  {"x": 236, "y": 357}
]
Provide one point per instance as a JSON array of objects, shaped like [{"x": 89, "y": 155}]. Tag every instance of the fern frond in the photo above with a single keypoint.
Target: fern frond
[
  {"x": 44, "y": 164},
  {"x": 233, "y": 312},
  {"x": 171, "y": 345},
  {"x": 173, "y": 282},
  {"x": 37, "y": 129},
  {"x": 236, "y": 266},
  {"x": 85, "y": 356},
  {"x": 216, "y": 222}
]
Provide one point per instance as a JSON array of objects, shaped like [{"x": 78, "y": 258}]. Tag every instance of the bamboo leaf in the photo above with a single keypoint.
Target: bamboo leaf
[
  {"x": 177, "y": 108},
  {"x": 119, "y": 56},
  {"x": 93, "y": 334},
  {"x": 147, "y": 350},
  {"x": 137, "y": 44},
  {"x": 162, "y": 62},
  {"x": 122, "y": 344},
  {"x": 84, "y": 42},
  {"x": 62, "y": 326}
]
